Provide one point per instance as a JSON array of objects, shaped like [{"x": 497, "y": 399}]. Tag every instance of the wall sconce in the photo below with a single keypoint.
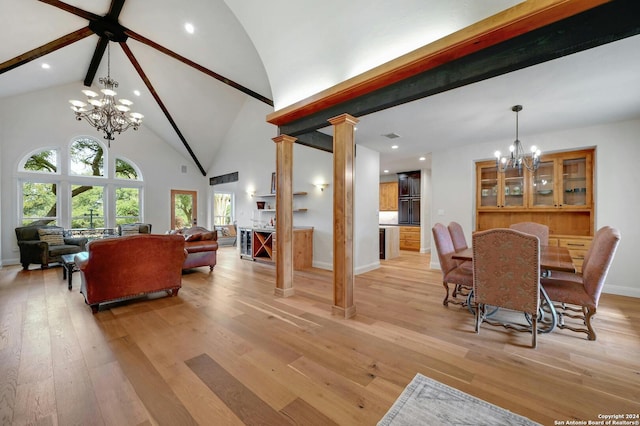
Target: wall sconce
[
  {"x": 251, "y": 192},
  {"x": 321, "y": 186}
]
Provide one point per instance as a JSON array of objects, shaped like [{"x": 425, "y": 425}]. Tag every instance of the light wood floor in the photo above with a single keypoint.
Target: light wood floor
[{"x": 226, "y": 351}]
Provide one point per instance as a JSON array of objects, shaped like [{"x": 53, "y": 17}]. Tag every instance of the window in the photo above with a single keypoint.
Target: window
[
  {"x": 127, "y": 205},
  {"x": 99, "y": 194},
  {"x": 222, "y": 208},
  {"x": 39, "y": 203},
  {"x": 87, "y": 206},
  {"x": 86, "y": 157}
]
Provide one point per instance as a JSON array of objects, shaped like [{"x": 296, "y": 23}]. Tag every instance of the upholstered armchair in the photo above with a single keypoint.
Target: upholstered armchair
[
  {"x": 452, "y": 272},
  {"x": 134, "y": 229},
  {"x": 577, "y": 295},
  {"x": 506, "y": 274},
  {"x": 539, "y": 230},
  {"x": 45, "y": 244}
]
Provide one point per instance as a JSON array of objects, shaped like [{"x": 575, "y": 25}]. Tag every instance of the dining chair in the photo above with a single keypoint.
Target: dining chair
[
  {"x": 457, "y": 236},
  {"x": 452, "y": 272},
  {"x": 538, "y": 229},
  {"x": 576, "y": 295},
  {"x": 506, "y": 274}
]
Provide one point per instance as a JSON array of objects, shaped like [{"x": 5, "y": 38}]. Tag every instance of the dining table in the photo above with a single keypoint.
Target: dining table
[{"x": 552, "y": 258}]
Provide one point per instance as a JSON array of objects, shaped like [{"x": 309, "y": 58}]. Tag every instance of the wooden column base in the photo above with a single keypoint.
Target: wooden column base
[
  {"x": 284, "y": 292},
  {"x": 347, "y": 313}
]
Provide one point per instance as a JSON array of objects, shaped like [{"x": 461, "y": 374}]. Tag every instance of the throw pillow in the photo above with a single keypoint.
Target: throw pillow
[
  {"x": 130, "y": 229},
  {"x": 52, "y": 236},
  {"x": 193, "y": 237}
]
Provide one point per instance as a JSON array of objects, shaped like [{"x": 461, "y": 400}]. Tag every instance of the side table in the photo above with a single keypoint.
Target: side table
[{"x": 68, "y": 267}]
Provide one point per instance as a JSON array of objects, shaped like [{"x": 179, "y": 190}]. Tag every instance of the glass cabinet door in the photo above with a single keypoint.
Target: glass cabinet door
[
  {"x": 513, "y": 188},
  {"x": 543, "y": 180},
  {"x": 574, "y": 179},
  {"x": 489, "y": 187}
]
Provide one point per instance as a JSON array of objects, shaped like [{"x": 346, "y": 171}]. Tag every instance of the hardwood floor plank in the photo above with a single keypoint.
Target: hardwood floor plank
[
  {"x": 158, "y": 398},
  {"x": 301, "y": 413},
  {"x": 244, "y": 403}
]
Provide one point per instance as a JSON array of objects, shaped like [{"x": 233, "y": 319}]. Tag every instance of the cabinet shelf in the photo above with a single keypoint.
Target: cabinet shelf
[{"x": 273, "y": 195}]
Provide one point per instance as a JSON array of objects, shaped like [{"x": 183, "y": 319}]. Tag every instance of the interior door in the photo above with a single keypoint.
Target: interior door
[{"x": 184, "y": 208}]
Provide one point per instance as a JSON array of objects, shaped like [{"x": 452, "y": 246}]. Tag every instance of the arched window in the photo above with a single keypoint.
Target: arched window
[{"x": 99, "y": 194}]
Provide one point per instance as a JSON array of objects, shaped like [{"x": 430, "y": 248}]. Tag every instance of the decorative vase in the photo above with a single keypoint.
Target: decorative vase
[{"x": 260, "y": 205}]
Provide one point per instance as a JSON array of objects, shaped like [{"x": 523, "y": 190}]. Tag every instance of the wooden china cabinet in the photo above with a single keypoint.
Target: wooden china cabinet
[{"x": 558, "y": 194}]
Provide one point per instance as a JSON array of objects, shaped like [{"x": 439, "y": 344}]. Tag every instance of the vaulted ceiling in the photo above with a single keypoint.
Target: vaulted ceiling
[{"x": 194, "y": 85}]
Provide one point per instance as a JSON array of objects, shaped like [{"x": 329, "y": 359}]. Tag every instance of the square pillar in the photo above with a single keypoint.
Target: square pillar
[{"x": 284, "y": 215}]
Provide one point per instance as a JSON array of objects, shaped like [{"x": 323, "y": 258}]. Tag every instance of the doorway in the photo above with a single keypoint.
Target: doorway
[{"x": 184, "y": 207}]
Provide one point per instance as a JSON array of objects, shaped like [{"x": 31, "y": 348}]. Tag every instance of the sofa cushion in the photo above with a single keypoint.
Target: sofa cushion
[{"x": 52, "y": 236}]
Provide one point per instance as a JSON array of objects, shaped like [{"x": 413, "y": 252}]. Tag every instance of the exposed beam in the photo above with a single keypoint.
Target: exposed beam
[
  {"x": 45, "y": 49},
  {"x": 199, "y": 67},
  {"x": 164, "y": 109},
  {"x": 71, "y": 9},
  {"x": 316, "y": 140},
  {"x": 98, "y": 53},
  {"x": 115, "y": 9},
  {"x": 510, "y": 23},
  {"x": 601, "y": 25}
]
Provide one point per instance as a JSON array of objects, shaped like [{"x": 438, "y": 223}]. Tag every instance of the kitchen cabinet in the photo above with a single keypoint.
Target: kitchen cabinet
[
  {"x": 409, "y": 184},
  {"x": 388, "y": 196},
  {"x": 558, "y": 194},
  {"x": 409, "y": 198},
  {"x": 410, "y": 238}
]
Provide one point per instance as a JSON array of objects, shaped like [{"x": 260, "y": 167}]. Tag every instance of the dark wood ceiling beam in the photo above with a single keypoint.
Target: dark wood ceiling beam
[
  {"x": 316, "y": 140},
  {"x": 164, "y": 109},
  {"x": 72, "y": 9},
  {"x": 198, "y": 67},
  {"x": 115, "y": 9},
  {"x": 98, "y": 53},
  {"x": 609, "y": 22},
  {"x": 45, "y": 49}
]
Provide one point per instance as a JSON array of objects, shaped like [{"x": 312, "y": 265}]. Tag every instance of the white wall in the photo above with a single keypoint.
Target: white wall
[
  {"x": 49, "y": 122},
  {"x": 617, "y": 197},
  {"x": 366, "y": 240}
]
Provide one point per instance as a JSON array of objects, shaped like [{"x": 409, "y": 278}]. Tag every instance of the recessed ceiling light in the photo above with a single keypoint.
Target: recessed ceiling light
[
  {"x": 386, "y": 171},
  {"x": 394, "y": 146},
  {"x": 45, "y": 66},
  {"x": 188, "y": 27},
  {"x": 136, "y": 92},
  {"x": 422, "y": 158}
]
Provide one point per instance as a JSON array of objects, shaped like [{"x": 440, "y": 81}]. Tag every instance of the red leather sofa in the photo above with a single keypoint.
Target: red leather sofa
[{"x": 122, "y": 268}]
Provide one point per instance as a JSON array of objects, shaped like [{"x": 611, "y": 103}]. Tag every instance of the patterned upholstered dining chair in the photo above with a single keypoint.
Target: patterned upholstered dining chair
[
  {"x": 506, "y": 274},
  {"x": 538, "y": 229},
  {"x": 576, "y": 295},
  {"x": 452, "y": 273}
]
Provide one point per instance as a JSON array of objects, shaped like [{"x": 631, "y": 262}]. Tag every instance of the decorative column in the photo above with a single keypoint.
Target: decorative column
[
  {"x": 343, "y": 162},
  {"x": 284, "y": 215}
]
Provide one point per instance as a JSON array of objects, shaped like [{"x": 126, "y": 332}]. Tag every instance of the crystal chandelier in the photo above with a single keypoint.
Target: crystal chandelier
[
  {"x": 517, "y": 156},
  {"x": 107, "y": 114}
]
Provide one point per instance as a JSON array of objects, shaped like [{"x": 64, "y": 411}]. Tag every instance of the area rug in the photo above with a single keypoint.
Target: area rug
[{"x": 428, "y": 402}]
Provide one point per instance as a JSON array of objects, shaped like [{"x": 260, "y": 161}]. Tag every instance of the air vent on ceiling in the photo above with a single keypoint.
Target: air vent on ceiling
[{"x": 391, "y": 135}]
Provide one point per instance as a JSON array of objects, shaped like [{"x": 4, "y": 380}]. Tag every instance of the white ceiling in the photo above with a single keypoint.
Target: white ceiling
[{"x": 287, "y": 50}]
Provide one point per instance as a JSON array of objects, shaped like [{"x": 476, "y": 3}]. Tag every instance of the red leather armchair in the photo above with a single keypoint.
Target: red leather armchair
[{"x": 202, "y": 247}]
